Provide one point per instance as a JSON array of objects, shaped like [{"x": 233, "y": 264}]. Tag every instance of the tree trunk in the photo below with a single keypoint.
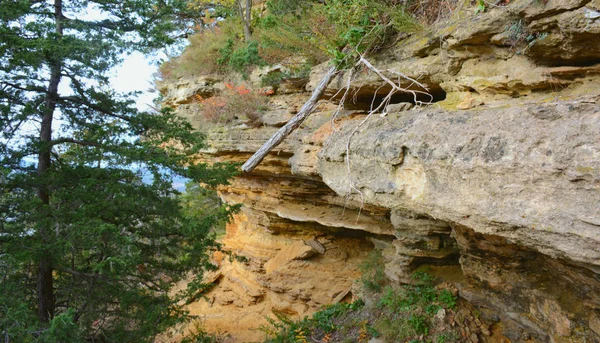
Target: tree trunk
[
  {"x": 291, "y": 125},
  {"x": 246, "y": 15},
  {"x": 45, "y": 291}
]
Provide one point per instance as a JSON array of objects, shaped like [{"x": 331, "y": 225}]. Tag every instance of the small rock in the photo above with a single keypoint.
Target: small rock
[
  {"x": 595, "y": 323},
  {"x": 316, "y": 245},
  {"x": 441, "y": 314},
  {"x": 469, "y": 102},
  {"x": 403, "y": 106},
  {"x": 276, "y": 118}
]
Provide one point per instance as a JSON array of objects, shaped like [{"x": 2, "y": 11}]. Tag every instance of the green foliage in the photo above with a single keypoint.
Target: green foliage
[
  {"x": 447, "y": 337},
  {"x": 518, "y": 35},
  {"x": 285, "y": 330},
  {"x": 92, "y": 233},
  {"x": 446, "y": 298},
  {"x": 200, "y": 202},
  {"x": 274, "y": 79},
  {"x": 324, "y": 318},
  {"x": 407, "y": 310},
  {"x": 313, "y": 30},
  {"x": 394, "y": 328},
  {"x": 402, "y": 314},
  {"x": 419, "y": 324},
  {"x": 241, "y": 59},
  {"x": 481, "y": 6},
  {"x": 364, "y": 26},
  {"x": 63, "y": 328},
  {"x": 201, "y": 55},
  {"x": 278, "y": 8},
  {"x": 198, "y": 335},
  {"x": 226, "y": 52},
  {"x": 373, "y": 274}
]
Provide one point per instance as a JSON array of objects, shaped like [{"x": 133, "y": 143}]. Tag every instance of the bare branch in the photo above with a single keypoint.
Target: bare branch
[
  {"x": 381, "y": 108},
  {"x": 291, "y": 125}
]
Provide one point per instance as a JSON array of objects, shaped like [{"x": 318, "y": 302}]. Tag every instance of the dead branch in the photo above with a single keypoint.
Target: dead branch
[
  {"x": 291, "y": 125},
  {"x": 396, "y": 88},
  {"x": 310, "y": 105}
]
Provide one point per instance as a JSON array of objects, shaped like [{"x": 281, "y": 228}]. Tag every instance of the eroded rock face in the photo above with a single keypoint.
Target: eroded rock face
[
  {"x": 551, "y": 300},
  {"x": 498, "y": 180},
  {"x": 530, "y": 173},
  {"x": 517, "y": 187}
]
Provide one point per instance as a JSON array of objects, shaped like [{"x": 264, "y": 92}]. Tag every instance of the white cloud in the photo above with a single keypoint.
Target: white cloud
[{"x": 135, "y": 74}]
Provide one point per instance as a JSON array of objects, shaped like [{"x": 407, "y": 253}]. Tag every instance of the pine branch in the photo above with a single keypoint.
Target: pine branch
[{"x": 74, "y": 141}]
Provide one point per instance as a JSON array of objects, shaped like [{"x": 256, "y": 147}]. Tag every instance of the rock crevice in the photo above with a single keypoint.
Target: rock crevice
[{"x": 497, "y": 183}]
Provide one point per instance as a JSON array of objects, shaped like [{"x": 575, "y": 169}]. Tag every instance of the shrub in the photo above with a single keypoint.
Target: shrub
[
  {"x": 314, "y": 30},
  {"x": 405, "y": 314},
  {"x": 274, "y": 79},
  {"x": 320, "y": 30},
  {"x": 241, "y": 59},
  {"x": 198, "y": 335},
  {"x": 236, "y": 102},
  {"x": 200, "y": 57},
  {"x": 293, "y": 34}
]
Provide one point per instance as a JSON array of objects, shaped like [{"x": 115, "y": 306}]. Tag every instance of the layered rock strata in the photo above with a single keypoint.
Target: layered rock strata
[{"x": 499, "y": 175}]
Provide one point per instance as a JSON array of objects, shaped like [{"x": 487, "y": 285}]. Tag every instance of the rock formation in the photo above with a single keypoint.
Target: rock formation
[{"x": 499, "y": 176}]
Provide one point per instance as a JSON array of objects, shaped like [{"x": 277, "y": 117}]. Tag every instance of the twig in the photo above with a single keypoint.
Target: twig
[
  {"x": 291, "y": 125},
  {"x": 383, "y": 105}
]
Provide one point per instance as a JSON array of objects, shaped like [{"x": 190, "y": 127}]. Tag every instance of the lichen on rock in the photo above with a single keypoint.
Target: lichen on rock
[{"x": 499, "y": 176}]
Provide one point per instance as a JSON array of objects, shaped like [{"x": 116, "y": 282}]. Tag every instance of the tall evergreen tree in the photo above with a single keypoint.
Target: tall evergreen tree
[{"x": 88, "y": 249}]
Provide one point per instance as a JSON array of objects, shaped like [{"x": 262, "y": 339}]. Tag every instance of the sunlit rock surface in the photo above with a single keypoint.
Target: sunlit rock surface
[{"x": 498, "y": 179}]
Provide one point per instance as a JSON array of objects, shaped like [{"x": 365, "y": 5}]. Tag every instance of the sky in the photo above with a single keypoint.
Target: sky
[{"x": 135, "y": 74}]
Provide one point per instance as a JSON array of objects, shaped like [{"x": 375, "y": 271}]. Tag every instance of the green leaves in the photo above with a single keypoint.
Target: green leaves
[
  {"x": 103, "y": 215},
  {"x": 481, "y": 6},
  {"x": 240, "y": 59}
]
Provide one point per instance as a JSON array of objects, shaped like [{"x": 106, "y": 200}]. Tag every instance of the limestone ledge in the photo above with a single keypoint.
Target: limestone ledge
[{"x": 497, "y": 180}]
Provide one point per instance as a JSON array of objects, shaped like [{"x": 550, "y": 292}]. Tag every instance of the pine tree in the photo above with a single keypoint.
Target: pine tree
[{"x": 89, "y": 247}]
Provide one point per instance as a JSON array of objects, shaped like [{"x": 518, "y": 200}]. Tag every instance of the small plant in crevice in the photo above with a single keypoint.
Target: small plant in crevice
[
  {"x": 519, "y": 35},
  {"x": 481, "y": 6},
  {"x": 275, "y": 79},
  {"x": 236, "y": 102},
  {"x": 373, "y": 272}
]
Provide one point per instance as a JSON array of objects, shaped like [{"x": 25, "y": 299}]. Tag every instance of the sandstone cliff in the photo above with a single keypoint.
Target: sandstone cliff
[{"x": 497, "y": 181}]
